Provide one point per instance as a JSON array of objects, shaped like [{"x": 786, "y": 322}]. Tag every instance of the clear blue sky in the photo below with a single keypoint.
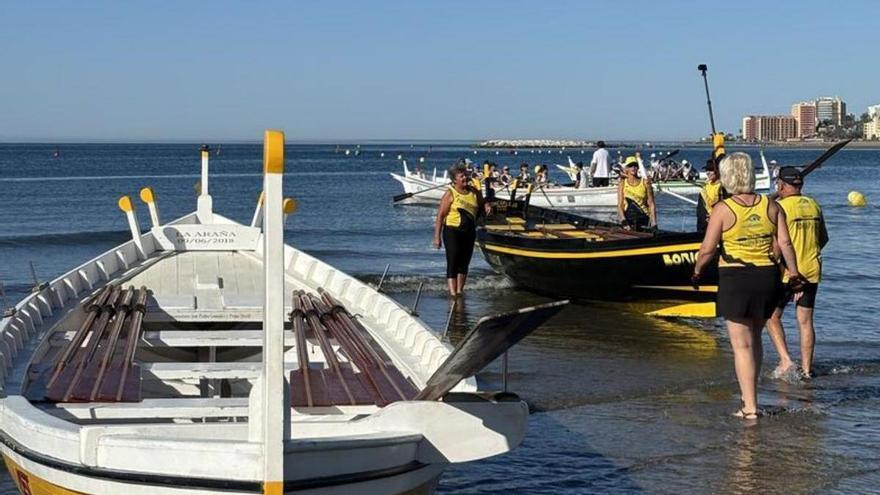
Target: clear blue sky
[{"x": 417, "y": 70}]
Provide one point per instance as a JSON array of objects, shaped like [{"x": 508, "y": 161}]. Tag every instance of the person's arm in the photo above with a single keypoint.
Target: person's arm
[
  {"x": 823, "y": 232},
  {"x": 445, "y": 203},
  {"x": 482, "y": 206},
  {"x": 710, "y": 241},
  {"x": 620, "y": 201},
  {"x": 652, "y": 206},
  {"x": 783, "y": 240}
]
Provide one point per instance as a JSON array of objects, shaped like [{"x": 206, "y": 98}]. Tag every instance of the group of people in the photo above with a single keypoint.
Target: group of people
[{"x": 770, "y": 255}]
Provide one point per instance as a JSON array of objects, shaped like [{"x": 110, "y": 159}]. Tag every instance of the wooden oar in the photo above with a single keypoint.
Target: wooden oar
[
  {"x": 679, "y": 196},
  {"x": 401, "y": 197},
  {"x": 482, "y": 345},
  {"x": 819, "y": 161}
]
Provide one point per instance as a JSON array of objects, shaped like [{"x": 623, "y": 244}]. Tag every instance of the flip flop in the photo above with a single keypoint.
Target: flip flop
[{"x": 742, "y": 414}]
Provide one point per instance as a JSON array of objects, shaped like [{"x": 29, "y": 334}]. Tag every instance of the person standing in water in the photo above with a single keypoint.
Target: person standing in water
[
  {"x": 600, "y": 166},
  {"x": 635, "y": 198},
  {"x": 710, "y": 194},
  {"x": 748, "y": 226},
  {"x": 456, "y": 227},
  {"x": 806, "y": 225}
]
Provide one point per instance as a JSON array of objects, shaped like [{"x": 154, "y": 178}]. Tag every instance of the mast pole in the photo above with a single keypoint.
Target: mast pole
[{"x": 275, "y": 407}]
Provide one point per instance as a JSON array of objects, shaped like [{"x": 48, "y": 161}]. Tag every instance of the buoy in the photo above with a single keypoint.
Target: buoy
[
  {"x": 400, "y": 157},
  {"x": 421, "y": 159},
  {"x": 856, "y": 198},
  {"x": 497, "y": 152},
  {"x": 475, "y": 152},
  {"x": 382, "y": 154}
]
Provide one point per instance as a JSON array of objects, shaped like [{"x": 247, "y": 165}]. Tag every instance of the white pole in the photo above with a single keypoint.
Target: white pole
[
  {"x": 275, "y": 408},
  {"x": 205, "y": 210},
  {"x": 258, "y": 213},
  {"x": 149, "y": 197},
  {"x": 128, "y": 208}
]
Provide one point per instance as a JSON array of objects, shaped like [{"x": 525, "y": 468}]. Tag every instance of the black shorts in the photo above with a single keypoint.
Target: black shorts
[
  {"x": 749, "y": 292},
  {"x": 459, "y": 249},
  {"x": 600, "y": 181},
  {"x": 808, "y": 300}
]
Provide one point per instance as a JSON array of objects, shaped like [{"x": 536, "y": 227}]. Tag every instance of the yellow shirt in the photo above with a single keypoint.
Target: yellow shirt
[
  {"x": 749, "y": 242},
  {"x": 637, "y": 193},
  {"x": 462, "y": 205},
  {"x": 711, "y": 193},
  {"x": 803, "y": 218}
]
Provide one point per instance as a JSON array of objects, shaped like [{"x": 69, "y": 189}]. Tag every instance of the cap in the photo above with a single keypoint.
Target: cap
[
  {"x": 631, "y": 161},
  {"x": 467, "y": 161},
  {"x": 684, "y": 162},
  {"x": 791, "y": 175},
  {"x": 506, "y": 167},
  {"x": 653, "y": 155}
]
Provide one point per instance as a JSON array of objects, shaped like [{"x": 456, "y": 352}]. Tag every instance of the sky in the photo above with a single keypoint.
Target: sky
[{"x": 388, "y": 70}]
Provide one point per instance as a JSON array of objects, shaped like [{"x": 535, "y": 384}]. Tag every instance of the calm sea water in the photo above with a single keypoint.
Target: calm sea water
[{"x": 621, "y": 403}]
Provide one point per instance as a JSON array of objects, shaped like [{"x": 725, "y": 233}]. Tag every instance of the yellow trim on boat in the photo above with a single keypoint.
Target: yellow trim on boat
[
  {"x": 273, "y": 488},
  {"x": 687, "y": 310},
  {"x": 587, "y": 255},
  {"x": 515, "y": 220},
  {"x": 683, "y": 288},
  {"x": 27, "y": 483},
  {"x": 147, "y": 195},
  {"x": 289, "y": 206},
  {"x": 125, "y": 204},
  {"x": 273, "y": 152}
]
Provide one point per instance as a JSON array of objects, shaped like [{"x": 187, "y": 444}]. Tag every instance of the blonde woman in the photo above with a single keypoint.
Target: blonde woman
[{"x": 749, "y": 228}]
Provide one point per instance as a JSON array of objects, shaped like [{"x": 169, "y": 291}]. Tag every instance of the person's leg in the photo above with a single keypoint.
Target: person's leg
[
  {"x": 777, "y": 336},
  {"x": 742, "y": 341},
  {"x": 808, "y": 338},
  {"x": 758, "y": 347},
  {"x": 466, "y": 252},
  {"x": 449, "y": 242}
]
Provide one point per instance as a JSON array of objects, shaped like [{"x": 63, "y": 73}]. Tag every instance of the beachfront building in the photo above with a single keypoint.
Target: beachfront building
[
  {"x": 769, "y": 128},
  {"x": 830, "y": 108},
  {"x": 804, "y": 113},
  {"x": 872, "y": 128},
  {"x": 874, "y": 111}
]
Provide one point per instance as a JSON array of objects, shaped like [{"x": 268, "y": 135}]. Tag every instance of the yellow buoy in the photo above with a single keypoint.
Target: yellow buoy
[{"x": 856, "y": 198}]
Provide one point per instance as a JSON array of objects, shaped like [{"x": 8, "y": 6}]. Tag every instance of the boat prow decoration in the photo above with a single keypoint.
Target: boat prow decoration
[{"x": 206, "y": 356}]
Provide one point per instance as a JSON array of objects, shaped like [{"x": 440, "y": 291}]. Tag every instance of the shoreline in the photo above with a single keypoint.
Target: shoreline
[{"x": 566, "y": 143}]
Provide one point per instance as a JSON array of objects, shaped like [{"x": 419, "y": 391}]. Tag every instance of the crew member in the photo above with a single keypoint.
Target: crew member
[
  {"x": 806, "y": 225},
  {"x": 457, "y": 226},
  {"x": 600, "y": 166},
  {"x": 710, "y": 194},
  {"x": 746, "y": 225},
  {"x": 505, "y": 178},
  {"x": 541, "y": 175},
  {"x": 635, "y": 198}
]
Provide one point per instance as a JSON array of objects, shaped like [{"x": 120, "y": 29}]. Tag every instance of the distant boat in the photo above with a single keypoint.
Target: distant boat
[{"x": 56, "y": 153}]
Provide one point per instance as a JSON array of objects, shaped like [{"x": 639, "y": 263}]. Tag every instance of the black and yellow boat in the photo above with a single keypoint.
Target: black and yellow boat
[{"x": 567, "y": 255}]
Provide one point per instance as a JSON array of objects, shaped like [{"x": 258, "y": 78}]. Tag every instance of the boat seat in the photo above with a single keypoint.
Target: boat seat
[
  {"x": 505, "y": 228},
  {"x": 515, "y": 220},
  {"x": 97, "y": 364}
]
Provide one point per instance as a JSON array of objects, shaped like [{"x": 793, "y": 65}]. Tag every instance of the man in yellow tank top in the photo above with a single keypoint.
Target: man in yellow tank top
[{"x": 806, "y": 226}]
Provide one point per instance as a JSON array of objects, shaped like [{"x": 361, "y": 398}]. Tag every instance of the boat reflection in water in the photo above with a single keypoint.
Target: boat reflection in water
[{"x": 562, "y": 254}]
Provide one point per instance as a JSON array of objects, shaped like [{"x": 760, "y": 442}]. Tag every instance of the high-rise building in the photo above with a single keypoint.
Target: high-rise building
[
  {"x": 874, "y": 111},
  {"x": 769, "y": 127},
  {"x": 805, "y": 114},
  {"x": 830, "y": 108},
  {"x": 748, "y": 128},
  {"x": 872, "y": 128}
]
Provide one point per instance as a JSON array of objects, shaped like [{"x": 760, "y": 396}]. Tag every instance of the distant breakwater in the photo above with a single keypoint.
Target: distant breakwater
[{"x": 536, "y": 143}]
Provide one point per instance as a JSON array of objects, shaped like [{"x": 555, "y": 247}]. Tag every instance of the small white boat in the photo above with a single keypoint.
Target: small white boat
[{"x": 207, "y": 357}]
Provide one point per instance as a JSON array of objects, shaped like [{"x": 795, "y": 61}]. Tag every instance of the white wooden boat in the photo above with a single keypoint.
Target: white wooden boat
[
  {"x": 429, "y": 190},
  {"x": 164, "y": 366}
]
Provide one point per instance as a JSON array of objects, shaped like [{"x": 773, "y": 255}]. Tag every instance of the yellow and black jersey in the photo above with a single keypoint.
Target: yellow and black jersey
[
  {"x": 805, "y": 227},
  {"x": 463, "y": 210},
  {"x": 749, "y": 242},
  {"x": 711, "y": 194},
  {"x": 638, "y": 194}
]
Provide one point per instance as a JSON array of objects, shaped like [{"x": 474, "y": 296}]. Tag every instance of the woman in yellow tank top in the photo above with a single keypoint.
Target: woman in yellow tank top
[
  {"x": 748, "y": 226},
  {"x": 456, "y": 227},
  {"x": 635, "y": 198}
]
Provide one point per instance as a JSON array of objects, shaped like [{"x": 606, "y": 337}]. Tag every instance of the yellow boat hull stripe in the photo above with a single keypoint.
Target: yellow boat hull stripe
[
  {"x": 589, "y": 255},
  {"x": 27, "y": 483}
]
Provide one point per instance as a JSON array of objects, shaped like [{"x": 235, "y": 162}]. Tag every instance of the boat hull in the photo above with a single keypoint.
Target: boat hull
[{"x": 653, "y": 270}]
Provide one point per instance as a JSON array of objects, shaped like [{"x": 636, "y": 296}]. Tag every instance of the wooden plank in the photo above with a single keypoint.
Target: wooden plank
[
  {"x": 164, "y": 408},
  {"x": 193, "y": 338}
]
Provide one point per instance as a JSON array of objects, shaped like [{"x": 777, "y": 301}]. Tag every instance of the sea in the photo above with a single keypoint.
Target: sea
[{"x": 620, "y": 402}]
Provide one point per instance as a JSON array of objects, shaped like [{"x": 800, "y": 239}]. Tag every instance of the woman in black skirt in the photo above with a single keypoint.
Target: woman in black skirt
[{"x": 750, "y": 229}]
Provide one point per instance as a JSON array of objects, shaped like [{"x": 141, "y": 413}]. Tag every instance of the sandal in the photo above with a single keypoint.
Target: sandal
[{"x": 747, "y": 415}]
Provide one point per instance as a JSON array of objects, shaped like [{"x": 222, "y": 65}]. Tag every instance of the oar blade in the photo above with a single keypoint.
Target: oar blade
[
  {"x": 825, "y": 156},
  {"x": 401, "y": 197},
  {"x": 484, "y": 343}
]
